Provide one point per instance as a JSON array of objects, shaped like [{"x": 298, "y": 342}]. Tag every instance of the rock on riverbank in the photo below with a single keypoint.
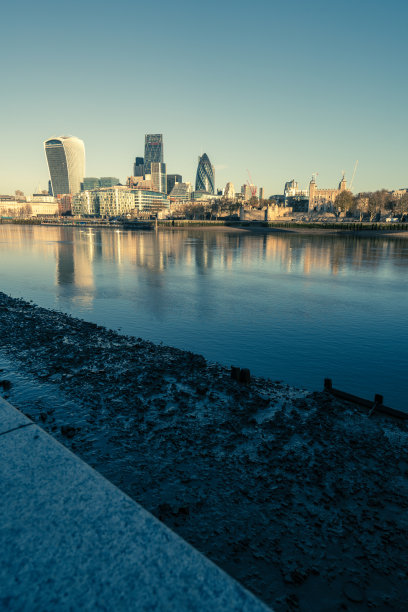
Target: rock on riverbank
[{"x": 301, "y": 497}]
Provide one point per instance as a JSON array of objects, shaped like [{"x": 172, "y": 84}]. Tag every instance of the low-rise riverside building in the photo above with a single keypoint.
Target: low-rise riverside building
[
  {"x": 200, "y": 195},
  {"x": 39, "y": 205},
  {"x": 115, "y": 202},
  {"x": 10, "y": 207},
  {"x": 399, "y": 193},
  {"x": 150, "y": 201},
  {"x": 181, "y": 192},
  {"x": 86, "y": 204},
  {"x": 43, "y": 209},
  {"x": 108, "y": 202},
  {"x": 118, "y": 201}
]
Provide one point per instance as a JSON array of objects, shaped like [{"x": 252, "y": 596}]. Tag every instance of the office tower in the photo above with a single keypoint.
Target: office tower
[
  {"x": 248, "y": 191},
  {"x": 90, "y": 182},
  {"x": 156, "y": 171},
  {"x": 50, "y": 188},
  {"x": 229, "y": 191},
  {"x": 66, "y": 162},
  {"x": 153, "y": 148},
  {"x": 153, "y": 166},
  {"x": 205, "y": 175},
  {"x": 109, "y": 181},
  {"x": 172, "y": 179},
  {"x": 138, "y": 166},
  {"x": 181, "y": 192},
  {"x": 261, "y": 193}
]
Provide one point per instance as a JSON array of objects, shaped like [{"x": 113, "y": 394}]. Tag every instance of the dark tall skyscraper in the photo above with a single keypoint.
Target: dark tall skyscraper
[
  {"x": 205, "y": 175},
  {"x": 138, "y": 166},
  {"x": 152, "y": 166},
  {"x": 153, "y": 161},
  {"x": 153, "y": 148},
  {"x": 172, "y": 179}
]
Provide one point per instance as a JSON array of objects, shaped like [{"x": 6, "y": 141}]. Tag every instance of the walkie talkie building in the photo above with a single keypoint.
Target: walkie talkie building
[
  {"x": 205, "y": 175},
  {"x": 66, "y": 162}
]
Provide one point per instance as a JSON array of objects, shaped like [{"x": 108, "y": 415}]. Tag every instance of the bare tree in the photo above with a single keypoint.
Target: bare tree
[{"x": 345, "y": 201}]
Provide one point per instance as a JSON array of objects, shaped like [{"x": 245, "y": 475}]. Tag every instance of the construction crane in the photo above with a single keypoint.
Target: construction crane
[
  {"x": 252, "y": 187},
  {"x": 354, "y": 174}
]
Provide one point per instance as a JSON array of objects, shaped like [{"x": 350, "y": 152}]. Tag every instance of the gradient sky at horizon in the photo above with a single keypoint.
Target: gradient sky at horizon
[{"x": 282, "y": 88}]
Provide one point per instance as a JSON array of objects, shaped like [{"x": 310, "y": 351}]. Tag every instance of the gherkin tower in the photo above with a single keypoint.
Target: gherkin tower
[{"x": 205, "y": 175}]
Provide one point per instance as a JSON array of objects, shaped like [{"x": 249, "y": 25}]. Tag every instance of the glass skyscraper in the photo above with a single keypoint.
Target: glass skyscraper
[
  {"x": 138, "y": 166},
  {"x": 153, "y": 161},
  {"x": 205, "y": 175},
  {"x": 153, "y": 148},
  {"x": 157, "y": 172},
  {"x": 152, "y": 167},
  {"x": 172, "y": 179},
  {"x": 66, "y": 162},
  {"x": 90, "y": 182}
]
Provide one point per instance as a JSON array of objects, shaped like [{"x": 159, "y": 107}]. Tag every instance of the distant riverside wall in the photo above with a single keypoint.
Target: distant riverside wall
[
  {"x": 339, "y": 225},
  {"x": 323, "y": 225}
]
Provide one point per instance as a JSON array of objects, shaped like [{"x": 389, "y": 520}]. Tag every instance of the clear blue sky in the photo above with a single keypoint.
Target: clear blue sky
[{"x": 283, "y": 88}]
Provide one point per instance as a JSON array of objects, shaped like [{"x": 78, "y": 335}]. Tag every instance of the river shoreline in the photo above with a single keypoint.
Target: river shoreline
[
  {"x": 299, "y": 496},
  {"x": 308, "y": 228},
  {"x": 295, "y": 230}
]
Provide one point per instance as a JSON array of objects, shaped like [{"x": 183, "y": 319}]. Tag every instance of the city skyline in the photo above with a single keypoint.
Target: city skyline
[{"x": 282, "y": 101}]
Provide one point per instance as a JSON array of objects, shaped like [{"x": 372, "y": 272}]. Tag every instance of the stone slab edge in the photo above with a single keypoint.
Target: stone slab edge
[{"x": 72, "y": 540}]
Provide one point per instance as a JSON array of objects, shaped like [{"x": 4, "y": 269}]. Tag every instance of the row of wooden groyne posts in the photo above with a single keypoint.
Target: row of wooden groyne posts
[{"x": 243, "y": 376}]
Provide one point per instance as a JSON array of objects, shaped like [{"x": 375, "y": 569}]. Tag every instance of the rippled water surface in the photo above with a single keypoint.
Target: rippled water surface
[{"x": 291, "y": 307}]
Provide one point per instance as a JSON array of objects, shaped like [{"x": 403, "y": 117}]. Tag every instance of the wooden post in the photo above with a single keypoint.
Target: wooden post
[
  {"x": 245, "y": 376},
  {"x": 328, "y": 384},
  {"x": 235, "y": 372}
]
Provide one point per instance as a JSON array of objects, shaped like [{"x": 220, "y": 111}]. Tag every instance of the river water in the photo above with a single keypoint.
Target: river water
[{"x": 290, "y": 307}]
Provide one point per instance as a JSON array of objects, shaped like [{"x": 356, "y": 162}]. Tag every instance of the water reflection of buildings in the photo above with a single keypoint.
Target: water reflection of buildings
[
  {"x": 75, "y": 254},
  {"x": 65, "y": 273},
  {"x": 79, "y": 252}
]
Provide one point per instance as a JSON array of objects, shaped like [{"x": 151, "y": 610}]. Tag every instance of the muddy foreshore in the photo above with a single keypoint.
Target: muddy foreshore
[{"x": 297, "y": 495}]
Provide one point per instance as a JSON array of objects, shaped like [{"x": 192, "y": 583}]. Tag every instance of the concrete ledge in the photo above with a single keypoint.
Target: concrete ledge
[
  {"x": 70, "y": 540},
  {"x": 10, "y": 418}
]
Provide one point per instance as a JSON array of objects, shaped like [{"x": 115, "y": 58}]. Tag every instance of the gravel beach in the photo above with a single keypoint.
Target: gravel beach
[{"x": 301, "y": 497}]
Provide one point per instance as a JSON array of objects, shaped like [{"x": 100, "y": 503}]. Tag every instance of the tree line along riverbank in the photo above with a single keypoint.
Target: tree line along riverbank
[{"x": 300, "y": 496}]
